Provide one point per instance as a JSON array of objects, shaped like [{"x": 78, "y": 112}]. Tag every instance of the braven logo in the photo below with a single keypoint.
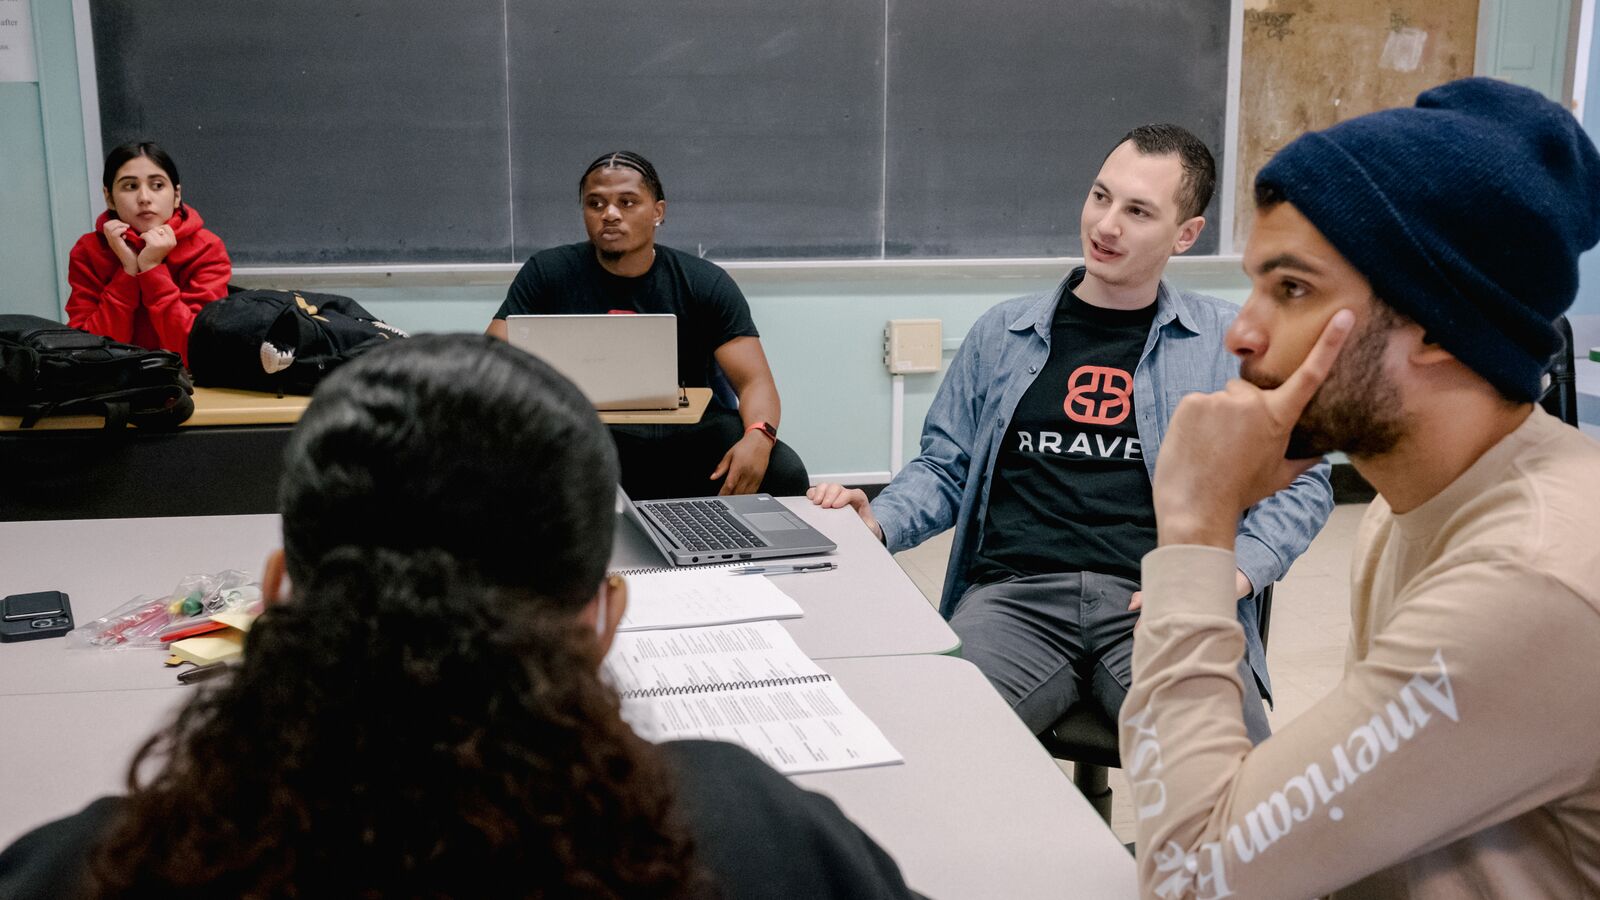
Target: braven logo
[{"x": 1098, "y": 395}]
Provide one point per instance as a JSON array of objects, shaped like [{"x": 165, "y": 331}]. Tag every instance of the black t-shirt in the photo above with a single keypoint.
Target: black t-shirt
[
  {"x": 710, "y": 308},
  {"x": 1070, "y": 491},
  {"x": 758, "y": 834},
  {"x": 763, "y": 836}
]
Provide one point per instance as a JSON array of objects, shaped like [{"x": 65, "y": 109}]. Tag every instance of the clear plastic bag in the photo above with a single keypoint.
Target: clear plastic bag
[{"x": 142, "y": 621}]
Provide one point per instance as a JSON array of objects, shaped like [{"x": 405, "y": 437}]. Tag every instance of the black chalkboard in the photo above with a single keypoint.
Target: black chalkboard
[
  {"x": 1000, "y": 115},
  {"x": 320, "y": 131},
  {"x": 402, "y": 131},
  {"x": 765, "y": 121}
]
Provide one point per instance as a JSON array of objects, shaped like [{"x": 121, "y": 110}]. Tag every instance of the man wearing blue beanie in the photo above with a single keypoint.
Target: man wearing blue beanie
[{"x": 1406, "y": 270}]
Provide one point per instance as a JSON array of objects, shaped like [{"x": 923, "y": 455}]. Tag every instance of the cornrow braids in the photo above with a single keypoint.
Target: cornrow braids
[{"x": 627, "y": 159}]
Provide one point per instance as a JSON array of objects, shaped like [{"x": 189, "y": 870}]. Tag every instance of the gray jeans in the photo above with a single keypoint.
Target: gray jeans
[{"x": 1048, "y": 641}]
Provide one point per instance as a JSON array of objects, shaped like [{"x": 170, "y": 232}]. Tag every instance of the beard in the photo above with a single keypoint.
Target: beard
[{"x": 1357, "y": 409}]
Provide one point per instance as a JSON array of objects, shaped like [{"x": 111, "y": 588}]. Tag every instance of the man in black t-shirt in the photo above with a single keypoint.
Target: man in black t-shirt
[
  {"x": 622, "y": 270},
  {"x": 1039, "y": 447},
  {"x": 1070, "y": 491}
]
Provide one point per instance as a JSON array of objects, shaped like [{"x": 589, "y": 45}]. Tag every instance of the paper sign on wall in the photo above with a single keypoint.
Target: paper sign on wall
[{"x": 16, "y": 42}]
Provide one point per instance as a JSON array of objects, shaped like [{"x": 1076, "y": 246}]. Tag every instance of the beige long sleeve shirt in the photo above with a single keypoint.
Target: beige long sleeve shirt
[{"x": 1458, "y": 757}]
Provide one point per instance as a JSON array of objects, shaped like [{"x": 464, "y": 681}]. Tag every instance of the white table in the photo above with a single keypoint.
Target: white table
[
  {"x": 102, "y": 564},
  {"x": 977, "y": 810},
  {"x": 63, "y": 750},
  {"x": 866, "y": 607}
]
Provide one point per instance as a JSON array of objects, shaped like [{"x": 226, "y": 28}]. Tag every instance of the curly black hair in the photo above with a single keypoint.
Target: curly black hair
[{"x": 424, "y": 717}]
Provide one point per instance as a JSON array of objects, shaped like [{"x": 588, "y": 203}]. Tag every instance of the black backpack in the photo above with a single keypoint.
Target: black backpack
[
  {"x": 280, "y": 341},
  {"x": 50, "y": 369}
]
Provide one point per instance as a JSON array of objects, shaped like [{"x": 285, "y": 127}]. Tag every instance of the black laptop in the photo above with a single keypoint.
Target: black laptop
[{"x": 700, "y": 530}]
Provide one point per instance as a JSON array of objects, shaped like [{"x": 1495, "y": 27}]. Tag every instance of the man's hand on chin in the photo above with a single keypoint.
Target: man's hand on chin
[{"x": 1224, "y": 452}]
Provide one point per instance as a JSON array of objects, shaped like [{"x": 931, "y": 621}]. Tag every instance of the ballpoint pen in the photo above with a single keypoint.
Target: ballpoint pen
[
  {"x": 202, "y": 673},
  {"x": 784, "y": 570}
]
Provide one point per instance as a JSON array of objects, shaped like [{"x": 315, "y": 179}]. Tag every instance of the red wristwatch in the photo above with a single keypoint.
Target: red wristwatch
[{"x": 764, "y": 428}]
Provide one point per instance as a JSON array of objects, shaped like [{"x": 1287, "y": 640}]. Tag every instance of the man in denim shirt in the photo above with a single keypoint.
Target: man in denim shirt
[{"x": 1041, "y": 443}]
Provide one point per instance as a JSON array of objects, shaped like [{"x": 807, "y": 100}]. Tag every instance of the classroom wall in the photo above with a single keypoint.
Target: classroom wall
[
  {"x": 1306, "y": 66},
  {"x": 44, "y": 196},
  {"x": 1527, "y": 42},
  {"x": 1585, "y": 315},
  {"x": 25, "y": 248},
  {"x": 823, "y": 329},
  {"x": 1588, "y": 304}
]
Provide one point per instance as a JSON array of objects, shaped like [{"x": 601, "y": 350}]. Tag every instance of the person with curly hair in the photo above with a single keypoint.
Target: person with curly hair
[{"x": 419, "y": 711}]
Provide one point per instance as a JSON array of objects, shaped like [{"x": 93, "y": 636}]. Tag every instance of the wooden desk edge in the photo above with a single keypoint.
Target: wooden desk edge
[
  {"x": 212, "y": 406},
  {"x": 226, "y": 406}
]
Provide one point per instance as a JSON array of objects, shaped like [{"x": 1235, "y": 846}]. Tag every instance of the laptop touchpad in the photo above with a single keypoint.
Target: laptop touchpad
[{"x": 773, "y": 521}]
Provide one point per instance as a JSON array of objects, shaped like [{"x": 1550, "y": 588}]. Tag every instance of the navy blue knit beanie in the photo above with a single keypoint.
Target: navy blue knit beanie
[{"x": 1466, "y": 212}]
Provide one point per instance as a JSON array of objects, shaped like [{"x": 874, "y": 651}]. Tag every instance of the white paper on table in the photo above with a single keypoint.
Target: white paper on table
[
  {"x": 795, "y": 728},
  {"x": 677, "y": 658},
  {"x": 680, "y": 598},
  {"x": 748, "y": 683}
]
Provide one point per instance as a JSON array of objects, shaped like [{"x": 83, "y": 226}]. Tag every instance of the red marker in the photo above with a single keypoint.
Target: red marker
[{"x": 188, "y": 631}]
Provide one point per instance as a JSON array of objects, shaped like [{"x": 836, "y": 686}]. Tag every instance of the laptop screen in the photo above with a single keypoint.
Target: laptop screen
[{"x": 619, "y": 362}]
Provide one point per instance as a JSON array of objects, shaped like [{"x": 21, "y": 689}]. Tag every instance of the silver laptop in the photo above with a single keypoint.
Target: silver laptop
[
  {"x": 619, "y": 362},
  {"x": 699, "y": 530}
]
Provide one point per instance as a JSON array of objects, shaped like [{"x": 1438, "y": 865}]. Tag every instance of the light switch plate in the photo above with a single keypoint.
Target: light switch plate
[{"x": 913, "y": 346}]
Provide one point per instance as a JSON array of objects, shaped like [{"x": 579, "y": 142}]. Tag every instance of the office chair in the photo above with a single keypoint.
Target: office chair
[
  {"x": 1086, "y": 737},
  {"x": 1560, "y": 397}
]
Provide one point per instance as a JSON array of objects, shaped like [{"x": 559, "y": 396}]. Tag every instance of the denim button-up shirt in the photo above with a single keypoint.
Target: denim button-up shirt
[{"x": 998, "y": 361}]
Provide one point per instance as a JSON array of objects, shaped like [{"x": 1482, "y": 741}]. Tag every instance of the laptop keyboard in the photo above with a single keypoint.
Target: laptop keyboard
[{"x": 704, "y": 525}]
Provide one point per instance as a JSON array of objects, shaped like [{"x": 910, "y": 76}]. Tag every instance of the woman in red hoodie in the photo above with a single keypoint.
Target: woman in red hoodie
[{"x": 150, "y": 264}]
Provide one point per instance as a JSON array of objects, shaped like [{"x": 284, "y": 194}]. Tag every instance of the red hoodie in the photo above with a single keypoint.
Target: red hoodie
[{"x": 155, "y": 308}]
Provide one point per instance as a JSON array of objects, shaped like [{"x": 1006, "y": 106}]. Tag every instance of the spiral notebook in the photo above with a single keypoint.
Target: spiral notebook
[
  {"x": 748, "y": 684},
  {"x": 710, "y": 595}
]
